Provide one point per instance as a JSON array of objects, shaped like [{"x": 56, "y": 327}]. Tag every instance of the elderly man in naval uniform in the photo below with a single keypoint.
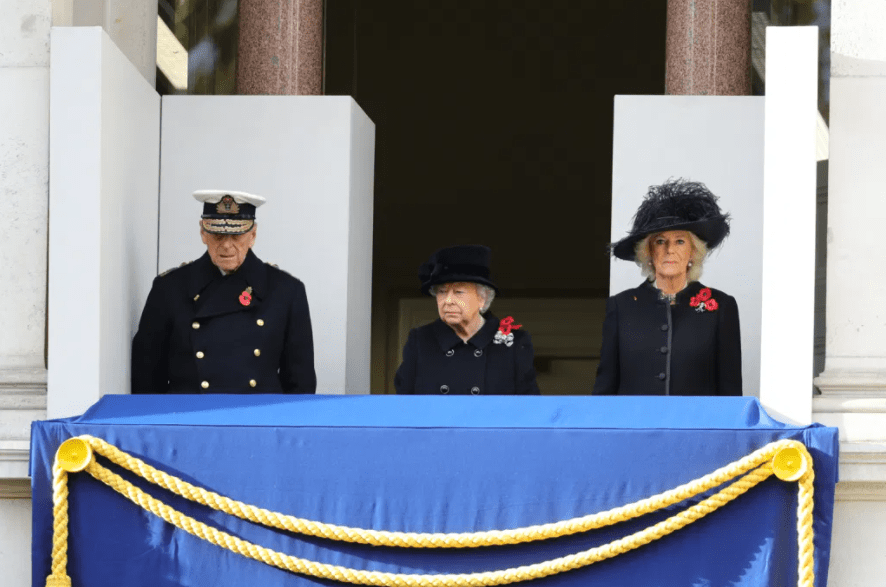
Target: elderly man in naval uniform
[{"x": 227, "y": 322}]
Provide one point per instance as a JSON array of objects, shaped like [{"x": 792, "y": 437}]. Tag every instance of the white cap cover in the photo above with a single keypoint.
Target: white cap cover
[{"x": 228, "y": 212}]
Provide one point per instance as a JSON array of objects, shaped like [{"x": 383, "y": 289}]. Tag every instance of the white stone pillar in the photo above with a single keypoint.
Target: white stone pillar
[
  {"x": 24, "y": 178},
  {"x": 853, "y": 384}
]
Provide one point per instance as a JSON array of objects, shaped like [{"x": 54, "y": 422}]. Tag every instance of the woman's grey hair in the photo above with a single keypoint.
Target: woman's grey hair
[
  {"x": 643, "y": 257},
  {"x": 486, "y": 292}
]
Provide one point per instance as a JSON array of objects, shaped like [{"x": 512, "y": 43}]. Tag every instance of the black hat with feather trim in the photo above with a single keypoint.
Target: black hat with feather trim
[
  {"x": 468, "y": 263},
  {"x": 676, "y": 205}
]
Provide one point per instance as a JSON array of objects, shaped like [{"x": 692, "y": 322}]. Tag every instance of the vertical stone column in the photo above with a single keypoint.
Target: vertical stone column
[
  {"x": 24, "y": 185},
  {"x": 854, "y": 379},
  {"x": 853, "y": 384},
  {"x": 280, "y": 47},
  {"x": 24, "y": 195},
  {"x": 708, "y": 48}
]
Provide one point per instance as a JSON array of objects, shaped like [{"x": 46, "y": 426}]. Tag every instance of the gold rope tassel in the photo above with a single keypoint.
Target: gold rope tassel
[
  {"x": 788, "y": 460},
  {"x": 59, "y": 576},
  {"x": 72, "y": 456},
  {"x": 794, "y": 463},
  {"x": 805, "y": 504}
]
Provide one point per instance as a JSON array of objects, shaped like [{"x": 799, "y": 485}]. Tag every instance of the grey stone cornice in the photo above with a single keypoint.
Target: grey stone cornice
[
  {"x": 14, "y": 455},
  {"x": 15, "y": 489},
  {"x": 18, "y": 387},
  {"x": 863, "y": 463}
]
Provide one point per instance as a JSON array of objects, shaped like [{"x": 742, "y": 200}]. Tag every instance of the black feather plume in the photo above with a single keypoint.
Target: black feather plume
[
  {"x": 676, "y": 201},
  {"x": 677, "y": 204}
]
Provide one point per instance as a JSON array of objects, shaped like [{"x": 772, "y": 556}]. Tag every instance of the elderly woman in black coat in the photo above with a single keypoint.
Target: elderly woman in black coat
[
  {"x": 467, "y": 351},
  {"x": 672, "y": 335}
]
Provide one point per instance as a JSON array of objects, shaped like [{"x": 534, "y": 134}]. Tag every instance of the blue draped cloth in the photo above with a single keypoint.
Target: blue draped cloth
[{"x": 430, "y": 464}]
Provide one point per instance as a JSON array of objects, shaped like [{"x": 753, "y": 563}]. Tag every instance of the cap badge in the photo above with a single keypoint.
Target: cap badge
[
  {"x": 227, "y": 205},
  {"x": 246, "y": 296}
]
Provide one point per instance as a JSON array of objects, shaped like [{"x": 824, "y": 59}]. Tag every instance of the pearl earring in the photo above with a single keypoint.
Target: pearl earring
[{"x": 690, "y": 263}]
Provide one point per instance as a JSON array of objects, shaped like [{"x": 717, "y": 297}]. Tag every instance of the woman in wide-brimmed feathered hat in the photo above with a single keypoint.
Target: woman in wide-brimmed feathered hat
[
  {"x": 467, "y": 350},
  {"x": 672, "y": 335}
]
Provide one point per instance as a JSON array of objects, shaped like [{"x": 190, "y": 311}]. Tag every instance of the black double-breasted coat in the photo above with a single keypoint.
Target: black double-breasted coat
[
  {"x": 652, "y": 347},
  {"x": 437, "y": 361},
  {"x": 199, "y": 333}
]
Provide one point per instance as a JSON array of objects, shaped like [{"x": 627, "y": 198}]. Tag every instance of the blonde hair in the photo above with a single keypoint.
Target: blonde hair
[{"x": 643, "y": 257}]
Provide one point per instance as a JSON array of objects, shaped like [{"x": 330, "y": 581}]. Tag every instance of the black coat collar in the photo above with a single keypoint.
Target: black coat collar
[
  {"x": 448, "y": 339},
  {"x": 649, "y": 291},
  {"x": 202, "y": 274},
  {"x": 216, "y": 294},
  {"x": 253, "y": 271}
]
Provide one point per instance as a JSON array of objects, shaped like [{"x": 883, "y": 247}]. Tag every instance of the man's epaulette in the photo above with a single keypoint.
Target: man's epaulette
[
  {"x": 168, "y": 271},
  {"x": 277, "y": 267}
]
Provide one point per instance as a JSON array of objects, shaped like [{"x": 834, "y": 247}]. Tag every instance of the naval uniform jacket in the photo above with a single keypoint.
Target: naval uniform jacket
[
  {"x": 197, "y": 336},
  {"x": 651, "y": 347},
  {"x": 437, "y": 361}
]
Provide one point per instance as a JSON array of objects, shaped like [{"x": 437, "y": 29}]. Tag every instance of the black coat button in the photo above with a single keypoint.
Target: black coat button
[
  {"x": 444, "y": 389},
  {"x": 664, "y": 350},
  {"x": 475, "y": 390},
  {"x": 664, "y": 326},
  {"x": 662, "y": 376},
  {"x": 450, "y": 352},
  {"x": 478, "y": 353}
]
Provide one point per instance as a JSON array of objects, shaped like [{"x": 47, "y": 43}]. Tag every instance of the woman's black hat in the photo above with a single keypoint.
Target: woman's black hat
[
  {"x": 676, "y": 205},
  {"x": 453, "y": 264}
]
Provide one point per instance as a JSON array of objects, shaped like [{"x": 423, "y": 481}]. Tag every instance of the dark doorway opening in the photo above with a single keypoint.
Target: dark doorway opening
[{"x": 494, "y": 126}]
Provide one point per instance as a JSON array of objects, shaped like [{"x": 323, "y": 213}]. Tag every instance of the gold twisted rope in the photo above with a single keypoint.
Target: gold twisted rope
[
  {"x": 433, "y": 540},
  {"x": 756, "y": 461},
  {"x": 805, "y": 503},
  {"x": 59, "y": 576}
]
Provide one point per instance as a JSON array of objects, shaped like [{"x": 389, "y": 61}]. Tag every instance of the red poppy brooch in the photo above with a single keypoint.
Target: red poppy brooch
[
  {"x": 504, "y": 335},
  {"x": 246, "y": 296},
  {"x": 703, "y": 302}
]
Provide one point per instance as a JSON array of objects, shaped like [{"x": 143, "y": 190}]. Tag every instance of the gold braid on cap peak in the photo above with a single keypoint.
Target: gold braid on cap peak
[{"x": 227, "y": 225}]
